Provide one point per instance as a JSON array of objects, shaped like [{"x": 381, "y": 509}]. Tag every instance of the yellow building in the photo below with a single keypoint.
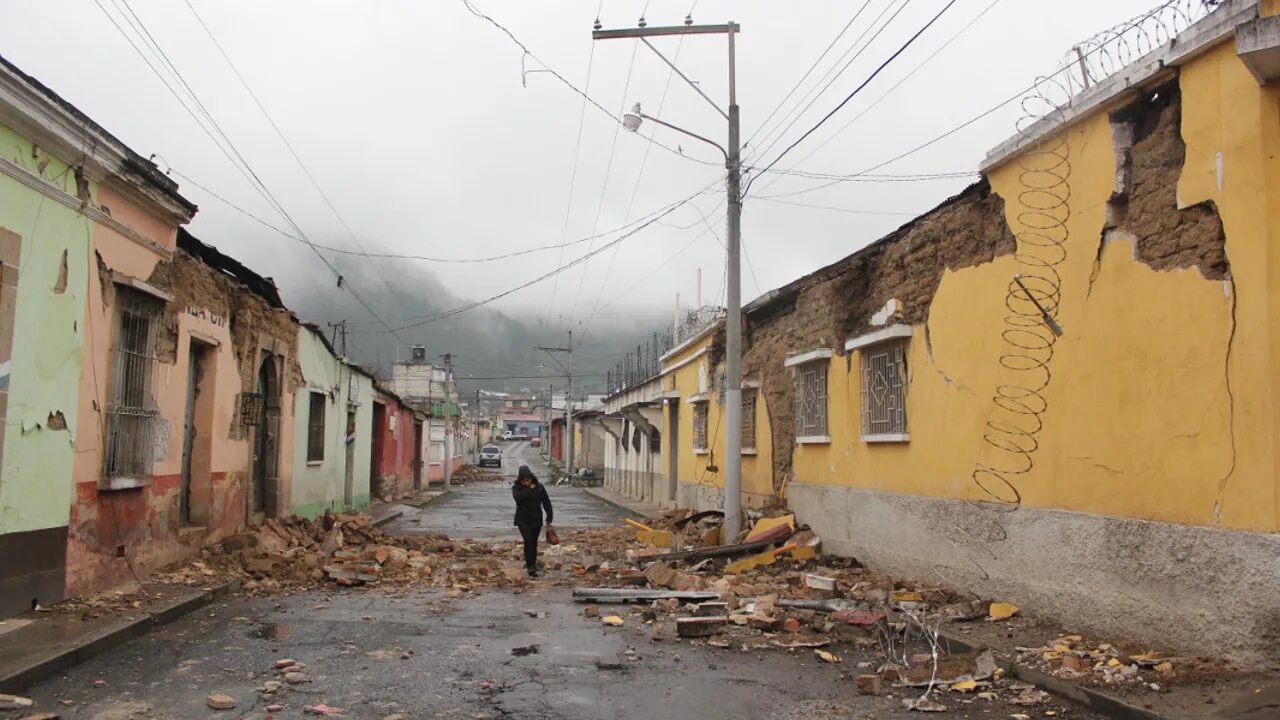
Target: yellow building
[{"x": 915, "y": 404}]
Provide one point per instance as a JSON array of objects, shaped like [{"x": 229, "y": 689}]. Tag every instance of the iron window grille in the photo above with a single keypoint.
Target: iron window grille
[
  {"x": 884, "y": 389},
  {"x": 315, "y": 428},
  {"x": 748, "y": 419},
  {"x": 811, "y": 399},
  {"x": 132, "y": 420},
  {"x": 700, "y": 426}
]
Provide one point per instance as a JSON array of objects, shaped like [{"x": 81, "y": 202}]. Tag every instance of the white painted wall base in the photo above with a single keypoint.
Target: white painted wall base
[
  {"x": 1183, "y": 588},
  {"x": 699, "y": 497}
]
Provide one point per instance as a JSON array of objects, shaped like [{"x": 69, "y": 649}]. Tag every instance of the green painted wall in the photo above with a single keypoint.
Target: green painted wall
[
  {"x": 36, "y": 470},
  {"x": 319, "y": 486}
]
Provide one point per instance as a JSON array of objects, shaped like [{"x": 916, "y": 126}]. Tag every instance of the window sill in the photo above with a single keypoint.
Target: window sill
[
  {"x": 124, "y": 483},
  {"x": 887, "y": 438},
  {"x": 314, "y": 463},
  {"x": 701, "y": 451},
  {"x": 813, "y": 440},
  {"x": 749, "y": 451}
]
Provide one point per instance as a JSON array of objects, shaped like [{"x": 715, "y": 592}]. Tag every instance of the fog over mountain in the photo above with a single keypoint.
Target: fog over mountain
[{"x": 491, "y": 349}]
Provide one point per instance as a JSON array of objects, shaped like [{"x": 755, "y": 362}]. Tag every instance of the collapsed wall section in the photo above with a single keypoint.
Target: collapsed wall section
[
  {"x": 822, "y": 310},
  {"x": 1150, "y": 155}
]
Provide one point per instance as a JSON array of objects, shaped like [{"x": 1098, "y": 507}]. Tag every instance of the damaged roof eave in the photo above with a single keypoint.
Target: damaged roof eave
[
  {"x": 38, "y": 113},
  {"x": 782, "y": 294}
]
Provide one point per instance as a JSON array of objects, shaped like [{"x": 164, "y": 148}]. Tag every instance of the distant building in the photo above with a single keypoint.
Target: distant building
[
  {"x": 431, "y": 390},
  {"x": 522, "y": 417}
]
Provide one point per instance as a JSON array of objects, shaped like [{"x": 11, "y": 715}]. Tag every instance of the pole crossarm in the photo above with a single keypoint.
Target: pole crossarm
[{"x": 666, "y": 30}]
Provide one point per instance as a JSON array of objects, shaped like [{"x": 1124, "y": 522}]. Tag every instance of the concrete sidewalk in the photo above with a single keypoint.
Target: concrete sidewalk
[
  {"x": 635, "y": 508},
  {"x": 36, "y": 646}
]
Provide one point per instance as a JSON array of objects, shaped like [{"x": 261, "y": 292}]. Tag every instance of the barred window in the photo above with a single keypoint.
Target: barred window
[
  {"x": 315, "y": 428},
  {"x": 748, "y": 418},
  {"x": 700, "y": 425},
  {"x": 811, "y": 399},
  {"x": 132, "y": 413},
  {"x": 884, "y": 390}
]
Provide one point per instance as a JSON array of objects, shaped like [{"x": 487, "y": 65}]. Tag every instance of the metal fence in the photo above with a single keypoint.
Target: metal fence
[
  {"x": 1096, "y": 58},
  {"x": 645, "y": 361}
]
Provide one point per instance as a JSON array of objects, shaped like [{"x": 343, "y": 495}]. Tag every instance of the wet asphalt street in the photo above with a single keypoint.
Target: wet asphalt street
[
  {"x": 485, "y": 510},
  {"x": 530, "y": 653}
]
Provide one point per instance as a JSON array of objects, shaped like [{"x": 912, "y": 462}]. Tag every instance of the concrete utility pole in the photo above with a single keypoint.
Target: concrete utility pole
[
  {"x": 448, "y": 431},
  {"x": 475, "y": 427},
  {"x": 340, "y": 327},
  {"x": 546, "y": 416},
  {"x": 568, "y": 399},
  {"x": 733, "y": 321}
]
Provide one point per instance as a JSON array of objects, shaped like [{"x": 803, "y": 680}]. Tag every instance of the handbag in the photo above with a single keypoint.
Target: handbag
[{"x": 553, "y": 538}]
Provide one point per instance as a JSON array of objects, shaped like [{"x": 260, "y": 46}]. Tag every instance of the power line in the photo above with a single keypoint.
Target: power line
[
  {"x": 474, "y": 11},
  {"x": 608, "y": 171},
  {"x": 582, "y": 258},
  {"x": 573, "y": 174},
  {"x": 928, "y": 143},
  {"x": 298, "y": 158},
  {"x": 644, "y": 161},
  {"x": 862, "y": 85},
  {"x": 230, "y": 149},
  {"x": 808, "y": 72},
  {"x": 660, "y": 266},
  {"x": 886, "y": 178},
  {"x": 880, "y": 99},
  {"x": 813, "y": 96},
  {"x": 838, "y": 209},
  {"x": 396, "y": 256}
]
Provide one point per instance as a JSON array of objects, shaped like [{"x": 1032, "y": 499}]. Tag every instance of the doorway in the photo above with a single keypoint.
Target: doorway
[
  {"x": 417, "y": 455},
  {"x": 349, "y": 479},
  {"x": 266, "y": 466},
  {"x": 375, "y": 454},
  {"x": 194, "y": 424},
  {"x": 673, "y": 442}
]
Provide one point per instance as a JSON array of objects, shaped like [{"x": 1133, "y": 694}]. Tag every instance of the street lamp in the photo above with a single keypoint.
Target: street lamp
[
  {"x": 633, "y": 119},
  {"x": 733, "y": 248}
]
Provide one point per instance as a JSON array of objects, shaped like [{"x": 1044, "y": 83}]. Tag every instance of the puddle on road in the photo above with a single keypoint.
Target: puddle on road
[{"x": 270, "y": 631}]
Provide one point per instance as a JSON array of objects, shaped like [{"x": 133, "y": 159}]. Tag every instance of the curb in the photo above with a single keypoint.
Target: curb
[
  {"x": 629, "y": 511},
  {"x": 432, "y": 501},
  {"x": 111, "y": 636},
  {"x": 388, "y": 518},
  {"x": 1087, "y": 697}
]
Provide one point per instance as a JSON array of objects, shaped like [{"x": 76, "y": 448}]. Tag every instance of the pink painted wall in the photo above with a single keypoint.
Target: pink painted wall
[{"x": 146, "y": 521}]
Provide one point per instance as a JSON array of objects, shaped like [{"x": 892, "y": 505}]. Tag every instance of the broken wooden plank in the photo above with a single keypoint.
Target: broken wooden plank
[
  {"x": 622, "y": 595},
  {"x": 705, "y": 553},
  {"x": 700, "y": 626}
]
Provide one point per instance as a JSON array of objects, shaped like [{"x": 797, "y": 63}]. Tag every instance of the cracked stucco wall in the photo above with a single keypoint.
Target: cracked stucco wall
[
  {"x": 320, "y": 486},
  {"x": 48, "y": 332}
]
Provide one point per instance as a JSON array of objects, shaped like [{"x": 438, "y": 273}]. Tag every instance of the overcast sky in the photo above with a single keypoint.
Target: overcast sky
[{"x": 415, "y": 119}]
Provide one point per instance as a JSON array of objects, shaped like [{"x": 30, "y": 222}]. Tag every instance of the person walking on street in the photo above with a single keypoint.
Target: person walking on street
[{"x": 531, "y": 499}]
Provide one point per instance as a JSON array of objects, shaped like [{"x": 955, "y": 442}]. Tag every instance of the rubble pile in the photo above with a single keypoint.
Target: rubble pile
[
  {"x": 471, "y": 473},
  {"x": 773, "y": 591},
  {"x": 347, "y": 550},
  {"x": 1069, "y": 657}
]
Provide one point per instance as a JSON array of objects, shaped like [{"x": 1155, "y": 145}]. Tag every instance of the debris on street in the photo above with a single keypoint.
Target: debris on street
[
  {"x": 774, "y": 591},
  {"x": 220, "y": 701}
]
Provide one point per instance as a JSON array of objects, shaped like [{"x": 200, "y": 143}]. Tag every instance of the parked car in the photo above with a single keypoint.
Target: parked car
[
  {"x": 535, "y": 442},
  {"x": 491, "y": 455},
  {"x": 506, "y": 435}
]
